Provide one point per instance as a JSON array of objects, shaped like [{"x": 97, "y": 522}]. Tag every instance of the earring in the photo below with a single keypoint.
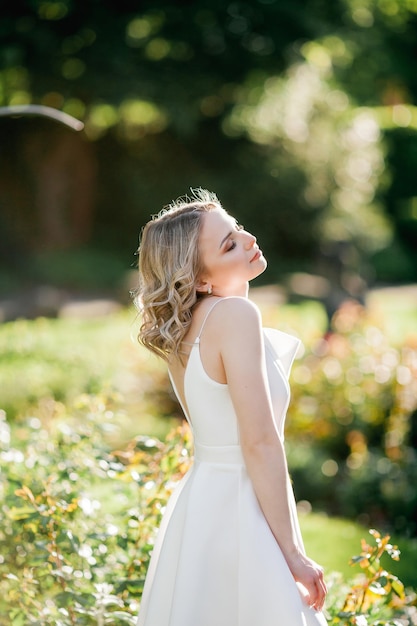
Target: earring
[{"x": 209, "y": 290}]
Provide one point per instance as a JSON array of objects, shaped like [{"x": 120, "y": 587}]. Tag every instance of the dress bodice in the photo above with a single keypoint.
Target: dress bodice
[{"x": 210, "y": 409}]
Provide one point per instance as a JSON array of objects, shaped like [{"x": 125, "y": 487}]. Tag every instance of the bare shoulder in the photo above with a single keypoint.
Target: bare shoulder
[
  {"x": 236, "y": 315},
  {"x": 240, "y": 340},
  {"x": 235, "y": 308}
]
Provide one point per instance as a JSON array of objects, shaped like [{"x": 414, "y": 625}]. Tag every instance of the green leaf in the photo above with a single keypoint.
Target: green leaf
[
  {"x": 66, "y": 598},
  {"x": 383, "y": 580},
  {"x": 21, "y": 513},
  {"x": 359, "y": 558},
  {"x": 18, "y": 618},
  {"x": 397, "y": 586},
  {"x": 127, "y": 618},
  {"x": 377, "y": 588},
  {"x": 132, "y": 585}
]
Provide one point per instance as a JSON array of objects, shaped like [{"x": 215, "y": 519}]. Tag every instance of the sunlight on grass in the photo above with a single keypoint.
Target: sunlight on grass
[
  {"x": 320, "y": 532},
  {"x": 62, "y": 358},
  {"x": 333, "y": 541}
]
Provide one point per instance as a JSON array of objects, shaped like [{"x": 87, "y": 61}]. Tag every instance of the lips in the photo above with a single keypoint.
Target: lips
[{"x": 256, "y": 255}]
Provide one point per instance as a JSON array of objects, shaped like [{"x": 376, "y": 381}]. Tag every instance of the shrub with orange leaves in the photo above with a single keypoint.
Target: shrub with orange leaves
[{"x": 376, "y": 597}]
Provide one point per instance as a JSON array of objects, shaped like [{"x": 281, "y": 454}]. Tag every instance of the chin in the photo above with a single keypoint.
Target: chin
[
  {"x": 260, "y": 270},
  {"x": 264, "y": 265}
]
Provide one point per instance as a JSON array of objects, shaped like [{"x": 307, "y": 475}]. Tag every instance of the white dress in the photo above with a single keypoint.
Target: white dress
[{"x": 215, "y": 560}]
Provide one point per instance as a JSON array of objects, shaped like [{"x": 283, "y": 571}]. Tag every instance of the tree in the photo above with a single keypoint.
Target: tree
[{"x": 176, "y": 76}]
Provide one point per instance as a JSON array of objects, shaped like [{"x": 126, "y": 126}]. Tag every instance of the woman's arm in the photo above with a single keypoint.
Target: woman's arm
[{"x": 242, "y": 351}]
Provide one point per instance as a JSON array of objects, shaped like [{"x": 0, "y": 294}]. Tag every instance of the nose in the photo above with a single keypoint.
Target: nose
[{"x": 251, "y": 240}]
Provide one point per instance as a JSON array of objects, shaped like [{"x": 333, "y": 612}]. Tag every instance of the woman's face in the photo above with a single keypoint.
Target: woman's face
[{"x": 230, "y": 255}]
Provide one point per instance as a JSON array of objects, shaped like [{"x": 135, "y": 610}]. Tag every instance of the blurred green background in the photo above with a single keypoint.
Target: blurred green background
[{"x": 300, "y": 114}]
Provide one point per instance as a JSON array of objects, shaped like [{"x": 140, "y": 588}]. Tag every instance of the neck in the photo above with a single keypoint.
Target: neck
[{"x": 242, "y": 291}]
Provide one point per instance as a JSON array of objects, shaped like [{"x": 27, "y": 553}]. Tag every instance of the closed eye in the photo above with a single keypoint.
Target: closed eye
[{"x": 232, "y": 245}]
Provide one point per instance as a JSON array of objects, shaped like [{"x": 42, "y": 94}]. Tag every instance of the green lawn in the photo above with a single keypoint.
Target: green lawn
[
  {"x": 333, "y": 541},
  {"x": 63, "y": 358}
]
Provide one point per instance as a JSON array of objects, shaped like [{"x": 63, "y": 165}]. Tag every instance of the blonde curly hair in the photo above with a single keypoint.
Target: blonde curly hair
[{"x": 169, "y": 268}]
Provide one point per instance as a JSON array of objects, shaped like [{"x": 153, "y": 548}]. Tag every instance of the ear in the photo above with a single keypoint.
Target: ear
[{"x": 202, "y": 286}]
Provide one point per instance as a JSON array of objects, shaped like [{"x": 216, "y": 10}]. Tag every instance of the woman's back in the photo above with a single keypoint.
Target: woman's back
[
  {"x": 204, "y": 396},
  {"x": 199, "y": 379}
]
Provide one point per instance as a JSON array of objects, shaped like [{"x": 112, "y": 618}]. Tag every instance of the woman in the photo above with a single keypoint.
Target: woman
[{"x": 229, "y": 550}]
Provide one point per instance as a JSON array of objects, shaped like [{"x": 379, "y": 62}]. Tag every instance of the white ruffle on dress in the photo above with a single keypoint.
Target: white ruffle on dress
[{"x": 215, "y": 560}]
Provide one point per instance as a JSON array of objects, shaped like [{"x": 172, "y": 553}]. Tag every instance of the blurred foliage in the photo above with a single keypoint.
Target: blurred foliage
[
  {"x": 78, "y": 523},
  {"x": 299, "y": 113},
  {"x": 80, "y": 268},
  {"x": 127, "y": 62},
  {"x": 313, "y": 128},
  {"x": 353, "y": 415}
]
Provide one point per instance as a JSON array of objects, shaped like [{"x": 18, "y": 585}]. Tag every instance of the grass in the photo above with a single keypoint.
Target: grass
[
  {"x": 63, "y": 358},
  {"x": 332, "y": 542}
]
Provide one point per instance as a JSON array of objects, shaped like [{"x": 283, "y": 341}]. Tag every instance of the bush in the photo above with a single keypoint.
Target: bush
[
  {"x": 77, "y": 521},
  {"x": 376, "y": 597},
  {"x": 77, "y": 524},
  {"x": 351, "y": 438}
]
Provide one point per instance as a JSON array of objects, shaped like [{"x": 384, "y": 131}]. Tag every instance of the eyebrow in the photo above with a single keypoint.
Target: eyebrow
[{"x": 225, "y": 239}]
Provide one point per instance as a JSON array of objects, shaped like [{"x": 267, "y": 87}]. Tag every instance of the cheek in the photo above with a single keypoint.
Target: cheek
[{"x": 237, "y": 263}]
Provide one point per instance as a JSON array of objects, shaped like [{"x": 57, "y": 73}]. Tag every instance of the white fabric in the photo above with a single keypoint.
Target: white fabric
[{"x": 215, "y": 561}]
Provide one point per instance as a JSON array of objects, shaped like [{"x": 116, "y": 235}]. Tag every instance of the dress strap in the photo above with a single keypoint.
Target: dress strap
[{"x": 205, "y": 319}]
